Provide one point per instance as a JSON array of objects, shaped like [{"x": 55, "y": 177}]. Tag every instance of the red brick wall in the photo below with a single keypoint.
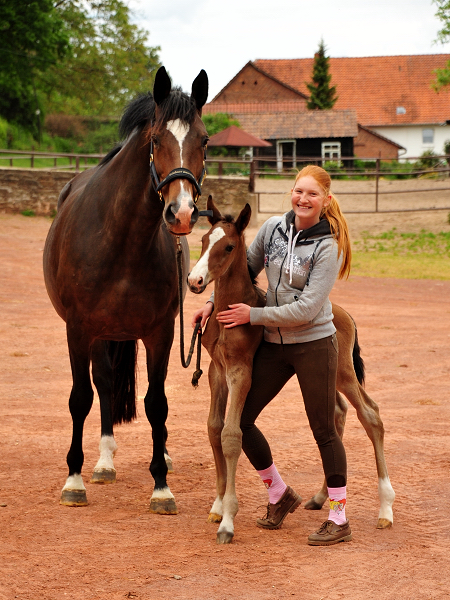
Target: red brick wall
[
  {"x": 368, "y": 145},
  {"x": 252, "y": 86}
]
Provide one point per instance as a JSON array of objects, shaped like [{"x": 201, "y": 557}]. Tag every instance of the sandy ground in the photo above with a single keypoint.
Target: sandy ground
[{"x": 114, "y": 549}]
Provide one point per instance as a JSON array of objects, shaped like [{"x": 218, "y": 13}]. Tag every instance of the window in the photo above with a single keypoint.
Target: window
[
  {"x": 331, "y": 151},
  {"x": 427, "y": 136}
]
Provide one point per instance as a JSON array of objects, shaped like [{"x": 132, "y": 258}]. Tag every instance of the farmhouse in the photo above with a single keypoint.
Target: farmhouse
[{"x": 391, "y": 96}]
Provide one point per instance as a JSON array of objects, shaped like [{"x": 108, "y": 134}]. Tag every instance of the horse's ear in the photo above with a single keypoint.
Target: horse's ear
[
  {"x": 200, "y": 90},
  {"x": 243, "y": 219},
  {"x": 216, "y": 212},
  {"x": 162, "y": 86}
]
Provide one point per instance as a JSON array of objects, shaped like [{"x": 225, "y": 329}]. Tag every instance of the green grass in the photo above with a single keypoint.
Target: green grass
[{"x": 423, "y": 255}]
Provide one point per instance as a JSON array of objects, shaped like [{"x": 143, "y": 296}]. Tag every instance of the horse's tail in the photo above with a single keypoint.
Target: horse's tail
[
  {"x": 358, "y": 363},
  {"x": 123, "y": 356}
]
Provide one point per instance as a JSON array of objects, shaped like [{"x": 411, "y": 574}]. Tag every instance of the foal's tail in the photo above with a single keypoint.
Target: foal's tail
[
  {"x": 358, "y": 363},
  {"x": 123, "y": 356}
]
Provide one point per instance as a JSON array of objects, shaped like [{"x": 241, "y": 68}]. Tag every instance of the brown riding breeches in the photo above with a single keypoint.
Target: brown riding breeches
[{"x": 315, "y": 364}]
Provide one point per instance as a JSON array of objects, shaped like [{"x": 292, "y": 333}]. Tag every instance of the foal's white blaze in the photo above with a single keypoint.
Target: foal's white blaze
[
  {"x": 108, "y": 448},
  {"x": 387, "y": 496},
  {"x": 201, "y": 268},
  {"x": 74, "y": 482},
  {"x": 179, "y": 130},
  {"x": 163, "y": 493}
]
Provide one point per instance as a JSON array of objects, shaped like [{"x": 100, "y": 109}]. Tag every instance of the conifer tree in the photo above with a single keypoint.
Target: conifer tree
[{"x": 323, "y": 96}]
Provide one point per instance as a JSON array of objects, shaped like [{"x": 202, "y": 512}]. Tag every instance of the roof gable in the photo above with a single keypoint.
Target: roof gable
[{"x": 375, "y": 86}]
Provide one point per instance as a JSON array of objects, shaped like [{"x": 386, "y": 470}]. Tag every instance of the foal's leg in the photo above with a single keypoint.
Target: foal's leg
[
  {"x": 239, "y": 379},
  {"x": 340, "y": 414},
  {"x": 158, "y": 350},
  {"x": 80, "y": 403},
  {"x": 102, "y": 374},
  {"x": 216, "y": 418}
]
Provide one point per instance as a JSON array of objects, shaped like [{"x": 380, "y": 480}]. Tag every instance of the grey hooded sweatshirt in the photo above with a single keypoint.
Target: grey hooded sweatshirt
[{"x": 301, "y": 269}]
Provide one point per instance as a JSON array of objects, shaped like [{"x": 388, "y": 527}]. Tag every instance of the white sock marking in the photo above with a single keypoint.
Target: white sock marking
[
  {"x": 180, "y": 130},
  {"x": 201, "y": 268},
  {"x": 217, "y": 508},
  {"x": 74, "y": 482},
  {"x": 108, "y": 448},
  {"x": 163, "y": 493},
  {"x": 226, "y": 524},
  {"x": 387, "y": 496}
]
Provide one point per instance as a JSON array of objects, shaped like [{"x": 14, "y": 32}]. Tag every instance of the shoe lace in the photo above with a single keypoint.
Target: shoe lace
[
  {"x": 325, "y": 526},
  {"x": 266, "y": 516}
]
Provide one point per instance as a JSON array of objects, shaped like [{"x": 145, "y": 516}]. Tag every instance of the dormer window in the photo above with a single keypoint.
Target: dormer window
[{"x": 401, "y": 110}]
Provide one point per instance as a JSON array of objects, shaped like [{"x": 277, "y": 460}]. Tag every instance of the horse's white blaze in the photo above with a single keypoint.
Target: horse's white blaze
[
  {"x": 226, "y": 524},
  {"x": 387, "y": 496},
  {"x": 74, "y": 482},
  {"x": 179, "y": 130},
  {"x": 201, "y": 268},
  {"x": 217, "y": 507},
  {"x": 162, "y": 493},
  {"x": 108, "y": 448}
]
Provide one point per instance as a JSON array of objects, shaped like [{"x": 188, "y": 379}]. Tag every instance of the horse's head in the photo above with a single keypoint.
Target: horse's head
[
  {"x": 178, "y": 150},
  {"x": 219, "y": 247}
]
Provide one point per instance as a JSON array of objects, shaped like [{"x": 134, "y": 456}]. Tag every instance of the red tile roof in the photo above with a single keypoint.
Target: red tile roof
[
  {"x": 375, "y": 86},
  {"x": 234, "y": 136},
  {"x": 254, "y": 107}
]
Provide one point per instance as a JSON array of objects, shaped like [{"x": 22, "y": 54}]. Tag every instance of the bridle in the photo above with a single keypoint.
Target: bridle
[{"x": 178, "y": 173}]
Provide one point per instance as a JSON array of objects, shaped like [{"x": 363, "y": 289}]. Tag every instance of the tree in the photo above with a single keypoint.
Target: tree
[
  {"x": 33, "y": 37},
  {"x": 443, "y": 13},
  {"x": 323, "y": 97},
  {"x": 110, "y": 61}
]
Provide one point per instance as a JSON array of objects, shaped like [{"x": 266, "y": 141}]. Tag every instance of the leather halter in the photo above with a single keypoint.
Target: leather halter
[{"x": 178, "y": 173}]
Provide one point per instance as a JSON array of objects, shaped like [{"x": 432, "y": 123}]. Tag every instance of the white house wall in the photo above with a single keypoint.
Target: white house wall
[{"x": 410, "y": 137}]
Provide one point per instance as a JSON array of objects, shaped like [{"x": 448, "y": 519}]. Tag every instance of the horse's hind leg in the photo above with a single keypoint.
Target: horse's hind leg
[
  {"x": 80, "y": 403},
  {"x": 216, "y": 418},
  {"x": 102, "y": 375},
  {"x": 340, "y": 415},
  {"x": 156, "y": 409}
]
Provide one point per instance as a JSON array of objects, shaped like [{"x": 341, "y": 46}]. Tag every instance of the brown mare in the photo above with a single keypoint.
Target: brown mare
[
  {"x": 224, "y": 260},
  {"x": 110, "y": 271}
]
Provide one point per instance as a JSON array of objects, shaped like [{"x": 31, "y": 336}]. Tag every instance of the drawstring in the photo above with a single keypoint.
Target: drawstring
[{"x": 291, "y": 247}]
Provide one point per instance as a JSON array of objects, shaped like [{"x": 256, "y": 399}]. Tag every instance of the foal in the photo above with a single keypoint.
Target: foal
[{"x": 224, "y": 260}]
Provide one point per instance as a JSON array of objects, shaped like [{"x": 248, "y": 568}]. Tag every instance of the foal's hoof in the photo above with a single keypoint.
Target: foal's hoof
[
  {"x": 104, "y": 476},
  {"x": 384, "y": 524},
  {"x": 169, "y": 463},
  {"x": 224, "y": 537},
  {"x": 214, "y": 518},
  {"x": 73, "y": 498},
  {"x": 312, "y": 505},
  {"x": 163, "y": 506}
]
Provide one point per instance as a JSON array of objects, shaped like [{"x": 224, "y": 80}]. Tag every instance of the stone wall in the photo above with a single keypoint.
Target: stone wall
[{"x": 38, "y": 190}]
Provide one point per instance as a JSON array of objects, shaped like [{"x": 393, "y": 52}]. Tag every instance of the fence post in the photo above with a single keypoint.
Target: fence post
[
  {"x": 220, "y": 169},
  {"x": 251, "y": 184},
  {"x": 77, "y": 164},
  {"x": 377, "y": 178},
  {"x": 32, "y": 162}
]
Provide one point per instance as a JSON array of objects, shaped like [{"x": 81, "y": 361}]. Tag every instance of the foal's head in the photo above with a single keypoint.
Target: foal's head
[{"x": 220, "y": 247}]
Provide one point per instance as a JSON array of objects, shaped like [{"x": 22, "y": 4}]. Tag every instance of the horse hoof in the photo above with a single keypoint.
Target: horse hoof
[
  {"x": 73, "y": 498},
  {"x": 214, "y": 518},
  {"x": 384, "y": 524},
  {"x": 104, "y": 476},
  {"x": 163, "y": 506},
  {"x": 169, "y": 464},
  {"x": 312, "y": 505},
  {"x": 224, "y": 537}
]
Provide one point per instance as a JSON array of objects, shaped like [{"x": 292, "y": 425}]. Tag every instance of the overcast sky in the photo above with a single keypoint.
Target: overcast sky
[{"x": 222, "y": 36}]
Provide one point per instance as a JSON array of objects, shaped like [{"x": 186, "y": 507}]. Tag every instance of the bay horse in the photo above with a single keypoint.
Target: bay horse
[
  {"x": 110, "y": 271},
  {"x": 224, "y": 260}
]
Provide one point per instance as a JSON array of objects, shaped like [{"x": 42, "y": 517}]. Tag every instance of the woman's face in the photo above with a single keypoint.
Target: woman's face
[{"x": 308, "y": 200}]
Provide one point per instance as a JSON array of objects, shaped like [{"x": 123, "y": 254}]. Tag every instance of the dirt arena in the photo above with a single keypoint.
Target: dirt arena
[{"x": 115, "y": 549}]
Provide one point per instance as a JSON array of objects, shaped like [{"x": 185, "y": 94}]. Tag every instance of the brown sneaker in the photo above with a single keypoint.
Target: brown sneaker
[
  {"x": 276, "y": 513},
  {"x": 330, "y": 533}
]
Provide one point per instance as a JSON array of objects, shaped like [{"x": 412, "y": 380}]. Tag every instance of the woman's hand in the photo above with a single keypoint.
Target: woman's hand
[
  {"x": 239, "y": 314},
  {"x": 202, "y": 314}
]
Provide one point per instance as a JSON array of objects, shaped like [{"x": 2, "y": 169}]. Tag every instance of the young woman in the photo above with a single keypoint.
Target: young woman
[{"x": 303, "y": 253}]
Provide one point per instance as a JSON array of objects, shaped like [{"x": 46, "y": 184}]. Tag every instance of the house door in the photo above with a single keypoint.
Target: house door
[{"x": 286, "y": 155}]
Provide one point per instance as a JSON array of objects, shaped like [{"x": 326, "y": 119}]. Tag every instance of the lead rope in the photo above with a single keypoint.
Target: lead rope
[{"x": 197, "y": 330}]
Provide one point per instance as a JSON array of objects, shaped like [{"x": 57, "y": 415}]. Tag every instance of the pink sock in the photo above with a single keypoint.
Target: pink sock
[
  {"x": 273, "y": 482},
  {"x": 337, "y": 498}
]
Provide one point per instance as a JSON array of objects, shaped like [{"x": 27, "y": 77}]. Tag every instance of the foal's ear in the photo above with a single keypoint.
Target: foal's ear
[
  {"x": 162, "y": 86},
  {"x": 200, "y": 90},
  {"x": 216, "y": 212},
  {"x": 243, "y": 219}
]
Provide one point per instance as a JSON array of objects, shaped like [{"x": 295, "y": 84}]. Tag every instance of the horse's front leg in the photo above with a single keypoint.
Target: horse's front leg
[
  {"x": 158, "y": 349},
  {"x": 216, "y": 418},
  {"x": 102, "y": 375},
  {"x": 238, "y": 381},
  {"x": 80, "y": 403}
]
